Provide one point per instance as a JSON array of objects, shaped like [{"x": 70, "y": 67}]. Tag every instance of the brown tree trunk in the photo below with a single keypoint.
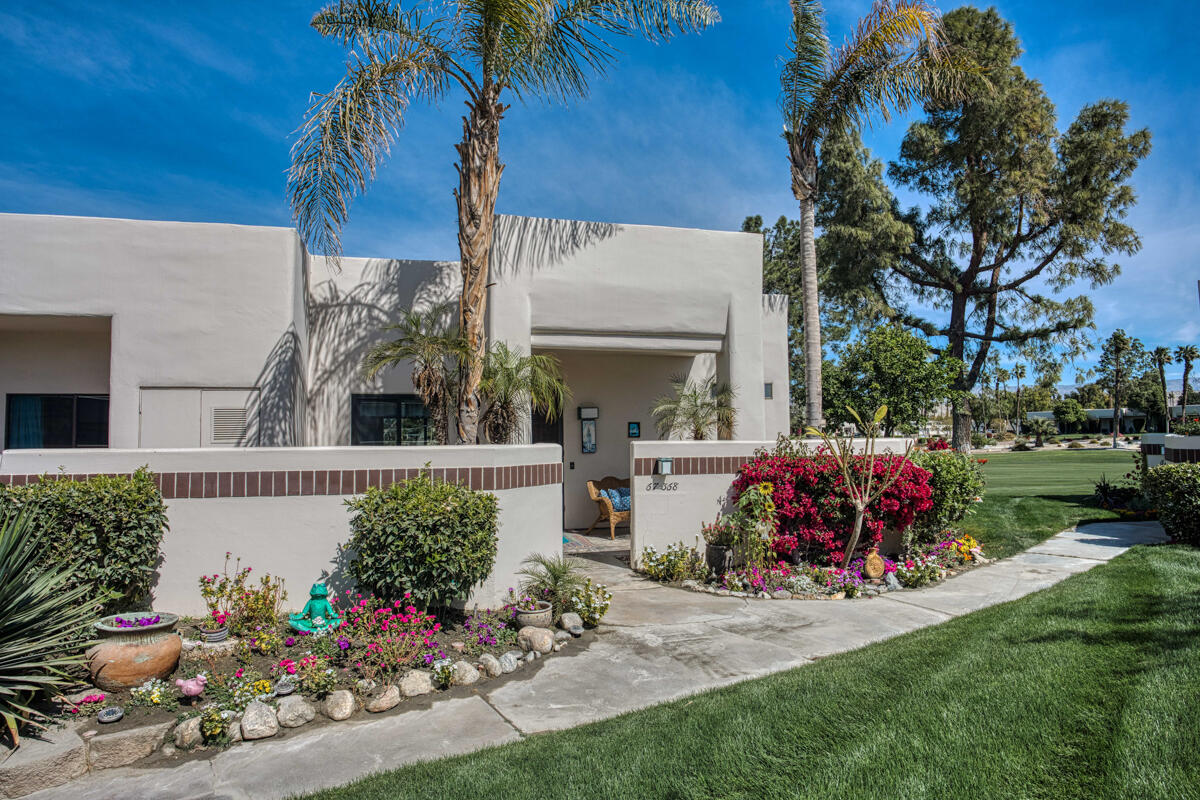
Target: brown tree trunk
[
  {"x": 1183, "y": 393},
  {"x": 479, "y": 171},
  {"x": 804, "y": 187}
]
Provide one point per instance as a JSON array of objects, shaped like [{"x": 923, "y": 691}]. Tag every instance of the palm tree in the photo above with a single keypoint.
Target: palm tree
[
  {"x": 1018, "y": 372},
  {"x": 1040, "y": 428},
  {"x": 436, "y": 352},
  {"x": 696, "y": 410},
  {"x": 1186, "y": 355},
  {"x": 1002, "y": 375},
  {"x": 514, "y": 383},
  {"x": 894, "y": 59},
  {"x": 1161, "y": 356},
  {"x": 529, "y": 48}
]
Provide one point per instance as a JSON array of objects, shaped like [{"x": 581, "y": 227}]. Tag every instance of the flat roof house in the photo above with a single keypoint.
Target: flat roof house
[{"x": 137, "y": 334}]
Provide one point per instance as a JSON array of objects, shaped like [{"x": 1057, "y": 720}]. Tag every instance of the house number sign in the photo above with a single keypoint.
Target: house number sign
[{"x": 662, "y": 487}]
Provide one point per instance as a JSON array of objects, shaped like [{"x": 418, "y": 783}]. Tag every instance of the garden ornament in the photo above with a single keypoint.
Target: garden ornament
[
  {"x": 318, "y": 615},
  {"x": 192, "y": 687}
]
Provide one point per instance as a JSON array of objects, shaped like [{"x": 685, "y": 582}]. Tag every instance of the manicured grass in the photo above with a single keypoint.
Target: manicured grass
[
  {"x": 1032, "y": 496},
  {"x": 1086, "y": 690}
]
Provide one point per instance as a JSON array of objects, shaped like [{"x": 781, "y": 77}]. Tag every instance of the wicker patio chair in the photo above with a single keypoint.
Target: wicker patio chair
[{"x": 605, "y": 505}]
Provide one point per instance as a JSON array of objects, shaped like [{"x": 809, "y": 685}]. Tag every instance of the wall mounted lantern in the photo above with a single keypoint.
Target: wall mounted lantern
[{"x": 663, "y": 466}]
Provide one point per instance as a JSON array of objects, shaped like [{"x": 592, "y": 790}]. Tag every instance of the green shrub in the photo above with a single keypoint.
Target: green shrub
[
  {"x": 956, "y": 480},
  {"x": 978, "y": 441},
  {"x": 1189, "y": 428},
  {"x": 678, "y": 563},
  {"x": 108, "y": 529},
  {"x": 555, "y": 579},
  {"x": 43, "y": 621},
  {"x": 1174, "y": 490},
  {"x": 431, "y": 538},
  {"x": 591, "y": 602},
  {"x": 1075, "y": 445}
]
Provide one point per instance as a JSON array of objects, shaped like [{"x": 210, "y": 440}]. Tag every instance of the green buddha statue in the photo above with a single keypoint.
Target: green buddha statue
[{"x": 318, "y": 615}]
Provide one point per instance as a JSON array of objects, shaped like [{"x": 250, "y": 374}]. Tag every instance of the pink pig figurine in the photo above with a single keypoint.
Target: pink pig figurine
[{"x": 191, "y": 687}]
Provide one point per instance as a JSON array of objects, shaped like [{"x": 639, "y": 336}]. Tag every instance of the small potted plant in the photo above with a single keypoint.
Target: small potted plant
[
  {"x": 215, "y": 627},
  {"x": 538, "y": 613},
  {"x": 220, "y": 593},
  {"x": 720, "y": 539}
]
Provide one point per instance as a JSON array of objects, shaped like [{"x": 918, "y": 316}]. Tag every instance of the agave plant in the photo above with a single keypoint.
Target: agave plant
[
  {"x": 553, "y": 578},
  {"x": 42, "y": 627}
]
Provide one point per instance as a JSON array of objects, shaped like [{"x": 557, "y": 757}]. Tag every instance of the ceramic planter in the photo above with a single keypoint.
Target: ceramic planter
[
  {"x": 215, "y": 634},
  {"x": 128, "y": 657},
  {"x": 541, "y": 617}
]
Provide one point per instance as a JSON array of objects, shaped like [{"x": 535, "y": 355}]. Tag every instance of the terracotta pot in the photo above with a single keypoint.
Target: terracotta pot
[
  {"x": 540, "y": 618},
  {"x": 128, "y": 657}
]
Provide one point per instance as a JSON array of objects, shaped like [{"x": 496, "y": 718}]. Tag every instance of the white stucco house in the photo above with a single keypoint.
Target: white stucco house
[{"x": 137, "y": 334}]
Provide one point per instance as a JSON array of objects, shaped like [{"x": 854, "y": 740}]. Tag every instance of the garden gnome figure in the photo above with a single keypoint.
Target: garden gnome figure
[{"x": 318, "y": 614}]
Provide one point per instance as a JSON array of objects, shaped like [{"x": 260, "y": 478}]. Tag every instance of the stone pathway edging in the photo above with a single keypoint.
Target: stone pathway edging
[{"x": 657, "y": 644}]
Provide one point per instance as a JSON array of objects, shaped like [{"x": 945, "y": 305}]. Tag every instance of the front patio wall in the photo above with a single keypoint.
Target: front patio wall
[
  {"x": 666, "y": 509},
  {"x": 1151, "y": 445},
  {"x": 282, "y": 510}
]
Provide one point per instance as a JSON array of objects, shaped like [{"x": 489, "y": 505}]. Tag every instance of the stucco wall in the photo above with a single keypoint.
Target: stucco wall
[
  {"x": 197, "y": 305},
  {"x": 296, "y": 536},
  {"x": 776, "y": 365}
]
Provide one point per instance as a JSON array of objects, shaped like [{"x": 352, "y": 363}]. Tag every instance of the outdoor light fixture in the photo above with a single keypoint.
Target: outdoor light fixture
[
  {"x": 663, "y": 466},
  {"x": 589, "y": 412}
]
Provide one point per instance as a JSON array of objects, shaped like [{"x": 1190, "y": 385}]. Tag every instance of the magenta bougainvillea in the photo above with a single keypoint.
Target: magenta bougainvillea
[{"x": 813, "y": 512}]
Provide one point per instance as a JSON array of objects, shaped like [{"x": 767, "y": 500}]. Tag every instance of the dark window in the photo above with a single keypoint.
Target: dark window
[
  {"x": 769, "y": 391},
  {"x": 34, "y": 421},
  {"x": 389, "y": 420}
]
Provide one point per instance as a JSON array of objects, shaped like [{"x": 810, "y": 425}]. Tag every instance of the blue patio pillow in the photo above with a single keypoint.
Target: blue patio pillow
[{"x": 619, "y": 498}]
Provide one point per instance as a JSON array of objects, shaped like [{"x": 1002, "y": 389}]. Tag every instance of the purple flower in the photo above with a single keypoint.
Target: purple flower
[
  {"x": 289, "y": 641},
  {"x": 343, "y": 643}
]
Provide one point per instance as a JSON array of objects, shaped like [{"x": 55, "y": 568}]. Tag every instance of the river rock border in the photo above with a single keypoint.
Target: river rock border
[{"x": 63, "y": 754}]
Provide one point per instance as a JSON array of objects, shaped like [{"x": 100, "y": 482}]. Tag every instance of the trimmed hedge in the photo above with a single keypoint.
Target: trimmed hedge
[
  {"x": 108, "y": 529},
  {"x": 956, "y": 480},
  {"x": 433, "y": 539},
  {"x": 1174, "y": 491}
]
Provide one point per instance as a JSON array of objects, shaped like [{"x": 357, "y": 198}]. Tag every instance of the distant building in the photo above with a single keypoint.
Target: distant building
[{"x": 1099, "y": 420}]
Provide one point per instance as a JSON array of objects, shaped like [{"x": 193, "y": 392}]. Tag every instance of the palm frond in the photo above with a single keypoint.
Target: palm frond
[
  {"x": 513, "y": 383},
  {"x": 804, "y": 73}
]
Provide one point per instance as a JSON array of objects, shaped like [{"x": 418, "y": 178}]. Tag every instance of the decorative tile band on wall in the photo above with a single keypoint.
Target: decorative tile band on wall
[
  {"x": 1151, "y": 449},
  {"x": 1187, "y": 456},
  {"x": 292, "y": 483},
  {"x": 695, "y": 465}
]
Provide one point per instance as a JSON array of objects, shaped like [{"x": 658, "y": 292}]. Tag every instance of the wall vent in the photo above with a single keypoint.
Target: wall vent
[{"x": 228, "y": 425}]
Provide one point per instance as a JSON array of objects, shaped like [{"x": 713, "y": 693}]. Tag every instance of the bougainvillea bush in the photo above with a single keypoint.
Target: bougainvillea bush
[{"x": 815, "y": 516}]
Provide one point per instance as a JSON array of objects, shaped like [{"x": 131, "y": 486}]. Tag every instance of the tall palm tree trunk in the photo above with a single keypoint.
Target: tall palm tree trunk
[
  {"x": 1183, "y": 393},
  {"x": 479, "y": 171},
  {"x": 1162, "y": 381},
  {"x": 804, "y": 187}
]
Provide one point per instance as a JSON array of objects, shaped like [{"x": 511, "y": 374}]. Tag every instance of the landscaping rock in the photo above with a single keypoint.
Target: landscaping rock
[
  {"x": 722, "y": 592},
  {"x": 572, "y": 623},
  {"x": 365, "y": 685},
  {"x": 463, "y": 674},
  {"x": 491, "y": 665},
  {"x": 168, "y": 749},
  {"x": 781, "y": 594},
  {"x": 458, "y": 647},
  {"x": 530, "y": 656},
  {"x": 235, "y": 732},
  {"x": 125, "y": 747},
  {"x": 387, "y": 700},
  {"x": 509, "y": 662},
  {"x": 893, "y": 583},
  {"x": 558, "y": 646},
  {"x": 562, "y": 636},
  {"x": 416, "y": 682},
  {"x": 258, "y": 721},
  {"x": 187, "y": 734},
  {"x": 690, "y": 584},
  {"x": 538, "y": 640},
  {"x": 838, "y": 596},
  {"x": 339, "y": 705},
  {"x": 53, "y": 758},
  {"x": 295, "y": 711}
]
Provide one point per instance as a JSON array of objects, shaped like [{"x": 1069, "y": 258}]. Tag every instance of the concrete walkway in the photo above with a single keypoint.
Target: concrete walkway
[{"x": 657, "y": 644}]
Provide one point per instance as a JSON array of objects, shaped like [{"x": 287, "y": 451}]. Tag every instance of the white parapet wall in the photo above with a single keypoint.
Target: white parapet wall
[
  {"x": 1151, "y": 445},
  {"x": 1179, "y": 449},
  {"x": 666, "y": 509},
  {"x": 283, "y": 510}
]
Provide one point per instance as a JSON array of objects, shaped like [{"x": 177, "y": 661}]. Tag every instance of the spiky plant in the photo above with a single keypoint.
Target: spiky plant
[
  {"x": 894, "y": 59},
  {"x": 696, "y": 409},
  {"x": 514, "y": 383},
  {"x": 435, "y": 351},
  {"x": 42, "y": 627},
  {"x": 488, "y": 50},
  {"x": 553, "y": 578},
  {"x": 1040, "y": 428}
]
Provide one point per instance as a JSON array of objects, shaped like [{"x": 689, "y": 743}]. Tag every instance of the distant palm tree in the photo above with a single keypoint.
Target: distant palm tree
[
  {"x": 531, "y": 48},
  {"x": 1018, "y": 372},
  {"x": 1186, "y": 354},
  {"x": 513, "y": 384},
  {"x": 1002, "y": 376},
  {"x": 894, "y": 59},
  {"x": 1161, "y": 356},
  {"x": 696, "y": 410},
  {"x": 1041, "y": 428},
  {"x": 436, "y": 352}
]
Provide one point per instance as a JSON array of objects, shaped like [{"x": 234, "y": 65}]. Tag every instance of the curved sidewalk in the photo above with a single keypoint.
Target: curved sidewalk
[{"x": 657, "y": 644}]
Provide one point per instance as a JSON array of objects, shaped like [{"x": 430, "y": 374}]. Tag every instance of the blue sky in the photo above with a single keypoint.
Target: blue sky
[{"x": 184, "y": 111}]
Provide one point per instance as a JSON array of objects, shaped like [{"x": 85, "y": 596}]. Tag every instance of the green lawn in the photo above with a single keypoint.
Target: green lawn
[
  {"x": 1032, "y": 496},
  {"x": 1086, "y": 690}
]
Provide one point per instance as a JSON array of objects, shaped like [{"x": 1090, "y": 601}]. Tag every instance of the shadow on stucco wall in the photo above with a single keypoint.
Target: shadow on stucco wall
[
  {"x": 345, "y": 322},
  {"x": 278, "y": 410},
  {"x": 533, "y": 243}
]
